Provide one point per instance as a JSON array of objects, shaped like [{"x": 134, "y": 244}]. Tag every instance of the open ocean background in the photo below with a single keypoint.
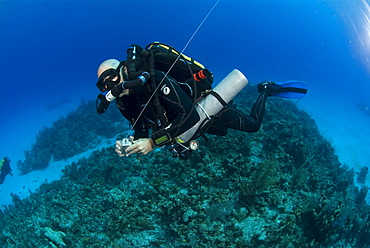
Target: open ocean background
[{"x": 50, "y": 50}]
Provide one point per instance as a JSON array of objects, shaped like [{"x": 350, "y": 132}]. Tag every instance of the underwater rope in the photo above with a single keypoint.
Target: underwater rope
[{"x": 173, "y": 64}]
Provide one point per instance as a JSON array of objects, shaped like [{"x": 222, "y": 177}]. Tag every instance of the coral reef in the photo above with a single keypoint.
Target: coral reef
[
  {"x": 71, "y": 135},
  {"x": 361, "y": 178},
  {"x": 280, "y": 187},
  {"x": 56, "y": 237}
]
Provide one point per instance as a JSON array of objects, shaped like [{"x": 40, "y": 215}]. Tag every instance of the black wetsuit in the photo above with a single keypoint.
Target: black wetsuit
[
  {"x": 179, "y": 113},
  {"x": 176, "y": 105},
  {"x": 230, "y": 117},
  {"x": 5, "y": 169}
]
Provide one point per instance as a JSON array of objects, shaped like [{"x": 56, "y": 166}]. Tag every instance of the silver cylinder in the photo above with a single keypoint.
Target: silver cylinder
[{"x": 227, "y": 89}]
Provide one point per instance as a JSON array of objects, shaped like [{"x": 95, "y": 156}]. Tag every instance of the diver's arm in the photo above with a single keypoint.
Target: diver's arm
[
  {"x": 174, "y": 99},
  {"x": 128, "y": 109}
]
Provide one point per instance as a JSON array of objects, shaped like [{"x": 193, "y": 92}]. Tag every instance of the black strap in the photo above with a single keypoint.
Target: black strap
[
  {"x": 156, "y": 103},
  {"x": 218, "y": 97},
  {"x": 291, "y": 89}
]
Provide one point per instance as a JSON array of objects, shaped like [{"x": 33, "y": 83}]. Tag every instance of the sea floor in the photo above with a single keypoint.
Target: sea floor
[{"x": 341, "y": 123}]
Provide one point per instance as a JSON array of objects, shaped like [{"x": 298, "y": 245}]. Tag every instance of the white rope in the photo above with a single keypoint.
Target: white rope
[{"x": 173, "y": 64}]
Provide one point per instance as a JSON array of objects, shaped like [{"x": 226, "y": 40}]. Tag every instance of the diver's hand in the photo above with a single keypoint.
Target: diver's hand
[
  {"x": 122, "y": 146},
  {"x": 104, "y": 104},
  {"x": 140, "y": 146},
  {"x": 117, "y": 89},
  {"x": 118, "y": 149}
]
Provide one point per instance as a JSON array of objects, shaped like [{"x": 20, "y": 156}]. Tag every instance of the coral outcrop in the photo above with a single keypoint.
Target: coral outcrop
[
  {"x": 77, "y": 132},
  {"x": 280, "y": 187}
]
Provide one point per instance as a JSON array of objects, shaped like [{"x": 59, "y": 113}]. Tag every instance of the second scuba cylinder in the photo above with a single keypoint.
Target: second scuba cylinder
[{"x": 227, "y": 89}]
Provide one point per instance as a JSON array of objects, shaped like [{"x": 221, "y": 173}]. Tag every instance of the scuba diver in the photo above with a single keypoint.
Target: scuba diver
[
  {"x": 5, "y": 169},
  {"x": 161, "y": 106}
]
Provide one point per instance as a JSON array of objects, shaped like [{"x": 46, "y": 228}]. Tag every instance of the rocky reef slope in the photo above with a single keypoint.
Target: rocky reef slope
[{"x": 280, "y": 187}]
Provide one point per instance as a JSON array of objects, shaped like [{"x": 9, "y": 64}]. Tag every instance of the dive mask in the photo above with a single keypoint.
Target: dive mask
[{"x": 109, "y": 78}]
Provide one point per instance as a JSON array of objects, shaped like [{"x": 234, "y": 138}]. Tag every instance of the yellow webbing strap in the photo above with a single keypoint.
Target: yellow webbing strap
[{"x": 191, "y": 60}]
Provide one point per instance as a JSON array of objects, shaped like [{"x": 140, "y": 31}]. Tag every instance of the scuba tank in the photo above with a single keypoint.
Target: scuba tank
[{"x": 208, "y": 106}]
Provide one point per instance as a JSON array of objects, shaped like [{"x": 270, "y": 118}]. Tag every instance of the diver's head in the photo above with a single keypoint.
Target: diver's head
[{"x": 110, "y": 73}]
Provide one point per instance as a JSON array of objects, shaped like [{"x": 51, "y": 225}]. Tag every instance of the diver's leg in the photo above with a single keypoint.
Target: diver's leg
[{"x": 235, "y": 119}]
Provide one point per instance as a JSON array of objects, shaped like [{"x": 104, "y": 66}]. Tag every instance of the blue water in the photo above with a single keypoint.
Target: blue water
[{"x": 50, "y": 51}]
